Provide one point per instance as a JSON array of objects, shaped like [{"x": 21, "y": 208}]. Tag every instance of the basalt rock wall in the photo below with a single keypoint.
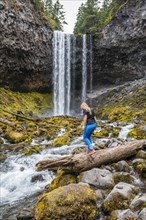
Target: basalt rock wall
[
  {"x": 120, "y": 55},
  {"x": 25, "y": 47}
]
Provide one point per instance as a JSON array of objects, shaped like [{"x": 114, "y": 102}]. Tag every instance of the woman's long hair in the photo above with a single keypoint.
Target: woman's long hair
[{"x": 86, "y": 107}]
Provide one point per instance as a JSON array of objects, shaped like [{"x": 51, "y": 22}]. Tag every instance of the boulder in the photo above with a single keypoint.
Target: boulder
[
  {"x": 120, "y": 197},
  {"x": 72, "y": 202},
  {"x": 100, "y": 178},
  {"x": 138, "y": 203}
]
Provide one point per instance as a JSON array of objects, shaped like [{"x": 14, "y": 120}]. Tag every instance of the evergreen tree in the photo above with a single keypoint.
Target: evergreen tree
[
  {"x": 53, "y": 13},
  {"x": 92, "y": 19}
]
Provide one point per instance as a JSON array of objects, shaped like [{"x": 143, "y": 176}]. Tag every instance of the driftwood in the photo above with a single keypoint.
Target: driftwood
[
  {"x": 81, "y": 162},
  {"x": 6, "y": 122}
]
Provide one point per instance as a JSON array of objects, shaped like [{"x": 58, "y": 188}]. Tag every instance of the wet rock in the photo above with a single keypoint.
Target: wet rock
[
  {"x": 139, "y": 202},
  {"x": 100, "y": 178},
  {"x": 2, "y": 158},
  {"x": 122, "y": 166},
  {"x": 74, "y": 201},
  {"x": 142, "y": 215},
  {"x": 26, "y": 214},
  {"x": 114, "y": 144},
  {"x": 119, "y": 197},
  {"x": 122, "y": 215},
  {"x": 37, "y": 178}
]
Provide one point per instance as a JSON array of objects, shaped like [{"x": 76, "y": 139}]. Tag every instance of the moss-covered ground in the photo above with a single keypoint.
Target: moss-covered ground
[{"x": 123, "y": 106}]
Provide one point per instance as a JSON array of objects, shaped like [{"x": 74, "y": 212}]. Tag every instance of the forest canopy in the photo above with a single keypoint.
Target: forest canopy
[
  {"x": 92, "y": 18},
  {"x": 52, "y": 12}
]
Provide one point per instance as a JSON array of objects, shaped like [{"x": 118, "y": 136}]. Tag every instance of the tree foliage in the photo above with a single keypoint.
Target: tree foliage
[
  {"x": 52, "y": 12},
  {"x": 92, "y": 18}
]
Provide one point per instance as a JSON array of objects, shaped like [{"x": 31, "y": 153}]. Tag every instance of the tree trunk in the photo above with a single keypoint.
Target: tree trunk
[{"x": 82, "y": 162}]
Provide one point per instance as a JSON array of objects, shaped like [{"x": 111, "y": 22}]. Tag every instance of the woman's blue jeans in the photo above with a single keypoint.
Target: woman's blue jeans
[{"x": 87, "y": 135}]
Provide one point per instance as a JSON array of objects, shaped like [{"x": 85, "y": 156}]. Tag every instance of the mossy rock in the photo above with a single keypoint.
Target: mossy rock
[
  {"x": 120, "y": 114},
  {"x": 138, "y": 132},
  {"x": 122, "y": 177},
  {"x": 126, "y": 214},
  {"x": 140, "y": 167},
  {"x": 62, "y": 180},
  {"x": 61, "y": 140},
  {"x": 15, "y": 137},
  {"x": 101, "y": 134},
  {"x": 72, "y": 202},
  {"x": 120, "y": 197},
  {"x": 31, "y": 150}
]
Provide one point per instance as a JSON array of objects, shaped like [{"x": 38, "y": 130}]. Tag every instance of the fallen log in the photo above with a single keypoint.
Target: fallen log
[
  {"x": 6, "y": 122},
  {"x": 20, "y": 116},
  {"x": 81, "y": 162}
]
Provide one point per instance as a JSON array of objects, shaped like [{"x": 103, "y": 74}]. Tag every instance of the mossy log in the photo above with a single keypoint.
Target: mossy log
[
  {"x": 6, "y": 122},
  {"x": 81, "y": 162}
]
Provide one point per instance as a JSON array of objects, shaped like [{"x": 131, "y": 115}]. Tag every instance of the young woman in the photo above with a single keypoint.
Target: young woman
[{"x": 89, "y": 125}]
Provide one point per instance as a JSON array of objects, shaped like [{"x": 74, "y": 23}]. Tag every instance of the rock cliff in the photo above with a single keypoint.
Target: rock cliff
[
  {"x": 25, "y": 47},
  {"x": 120, "y": 55}
]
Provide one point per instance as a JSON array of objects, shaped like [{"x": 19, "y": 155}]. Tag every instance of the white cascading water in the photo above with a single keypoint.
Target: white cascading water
[
  {"x": 125, "y": 130},
  {"x": 91, "y": 68},
  {"x": 68, "y": 73},
  {"x": 74, "y": 63},
  {"x": 19, "y": 178},
  {"x": 61, "y": 72},
  {"x": 84, "y": 69}
]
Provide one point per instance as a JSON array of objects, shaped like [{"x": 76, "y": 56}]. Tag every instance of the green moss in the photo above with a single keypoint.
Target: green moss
[
  {"x": 138, "y": 132},
  {"x": 101, "y": 134},
  {"x": 106, "y": 131},
  {"x": 140, "y": 167},
  {"x": 73, "y": 201},
  {"x": 122, "y": 177},
  {"x": 28, "y": 104},
  {"x": 118, "y": 202},
  {"x": 128, "y": 107},
  {"x": 32, "y": 150},
  {"x": 15, "y": 137},
  {"x": 61, "y": 140},
  {"x": 62, "y": 180}
]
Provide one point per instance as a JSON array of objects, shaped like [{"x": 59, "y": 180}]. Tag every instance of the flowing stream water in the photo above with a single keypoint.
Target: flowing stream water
[{"x": 19, "y": 178}]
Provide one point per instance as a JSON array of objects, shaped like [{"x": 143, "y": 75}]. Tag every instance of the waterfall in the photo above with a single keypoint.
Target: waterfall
[
  {"x": 68, "y": 72},
  {"x": 65, "y": 77},
  {"x": 91, "y": 69},
  {"x": 84, "y": 69},
  {"x": 73, "y": 63},
  {"x": 61, "y": 72}
]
